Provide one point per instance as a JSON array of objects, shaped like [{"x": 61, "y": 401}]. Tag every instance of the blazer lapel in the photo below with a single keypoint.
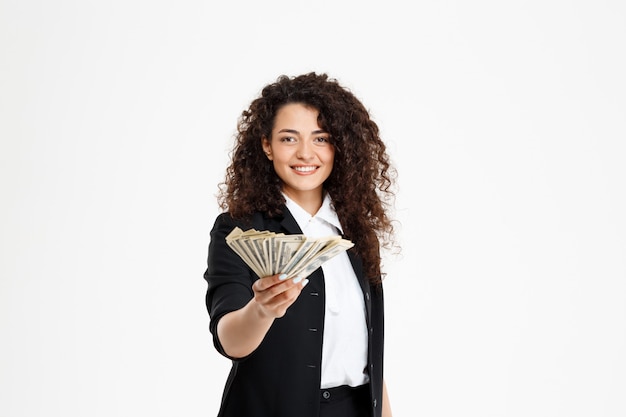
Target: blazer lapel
[
  {"x": 289, "y": 222},
  {"x": 357, "y": 264}
]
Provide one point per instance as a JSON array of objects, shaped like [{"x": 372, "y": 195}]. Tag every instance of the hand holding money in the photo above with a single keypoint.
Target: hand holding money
[{"x": 268, "y": 253}]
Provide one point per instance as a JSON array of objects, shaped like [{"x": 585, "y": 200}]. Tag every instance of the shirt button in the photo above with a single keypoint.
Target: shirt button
[
  {"x": 326, "y": 395},
  {"x": 374, "y": 403}
]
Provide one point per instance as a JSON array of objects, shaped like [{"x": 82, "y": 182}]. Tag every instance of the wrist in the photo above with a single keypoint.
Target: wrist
[{"x": 258, "y": 311}]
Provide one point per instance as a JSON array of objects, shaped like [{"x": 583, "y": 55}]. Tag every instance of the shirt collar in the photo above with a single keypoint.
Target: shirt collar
[{"x": 326, "y": 212}]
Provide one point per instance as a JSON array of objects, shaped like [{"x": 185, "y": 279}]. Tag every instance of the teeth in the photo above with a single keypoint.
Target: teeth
[{"x": 304, "y": 169}]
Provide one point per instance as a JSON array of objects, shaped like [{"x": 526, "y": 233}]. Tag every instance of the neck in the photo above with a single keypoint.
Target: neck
[{"x": 309, "y": 201}]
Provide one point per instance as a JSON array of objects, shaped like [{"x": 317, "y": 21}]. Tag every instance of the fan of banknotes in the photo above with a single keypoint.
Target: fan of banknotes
[{"x": 268, "y": 253}]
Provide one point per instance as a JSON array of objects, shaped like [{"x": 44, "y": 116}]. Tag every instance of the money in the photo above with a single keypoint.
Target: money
[{"x": 268, "y": 253}]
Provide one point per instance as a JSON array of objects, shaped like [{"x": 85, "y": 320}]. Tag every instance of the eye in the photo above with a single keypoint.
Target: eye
[
  {"x": 287, "y": 139},
  {"x": 322, "y": 139}
]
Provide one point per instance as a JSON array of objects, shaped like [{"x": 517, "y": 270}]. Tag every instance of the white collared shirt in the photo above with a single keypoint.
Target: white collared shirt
[{"x": 344, "y": 350}]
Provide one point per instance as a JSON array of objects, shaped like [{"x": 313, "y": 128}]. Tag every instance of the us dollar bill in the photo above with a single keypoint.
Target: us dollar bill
[{"x": 268, "y": 253}]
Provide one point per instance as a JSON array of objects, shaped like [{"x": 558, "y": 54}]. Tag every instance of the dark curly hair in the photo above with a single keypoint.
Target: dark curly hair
[{"x": 360, "y": 184}]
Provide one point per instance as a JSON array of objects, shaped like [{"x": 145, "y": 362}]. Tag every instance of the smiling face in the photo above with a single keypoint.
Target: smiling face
[{"x": 301, "y": 153}]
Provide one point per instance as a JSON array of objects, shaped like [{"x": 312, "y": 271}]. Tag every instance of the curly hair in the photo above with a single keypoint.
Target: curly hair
[{"x": 360, "y": 184}]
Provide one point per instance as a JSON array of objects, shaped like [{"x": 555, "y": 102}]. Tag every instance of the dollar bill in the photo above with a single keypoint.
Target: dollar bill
[{"x": 268, "y": 253}]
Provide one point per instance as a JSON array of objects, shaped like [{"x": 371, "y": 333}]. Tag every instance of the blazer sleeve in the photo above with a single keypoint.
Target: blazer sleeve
[{"x": 229, "y": 279}]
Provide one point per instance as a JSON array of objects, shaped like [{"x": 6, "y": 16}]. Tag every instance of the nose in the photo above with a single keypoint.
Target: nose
[{"x": 305, "y": 150}]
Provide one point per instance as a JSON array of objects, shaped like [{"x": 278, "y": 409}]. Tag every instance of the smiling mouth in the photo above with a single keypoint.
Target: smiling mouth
[{"x": 305, "y": 169}]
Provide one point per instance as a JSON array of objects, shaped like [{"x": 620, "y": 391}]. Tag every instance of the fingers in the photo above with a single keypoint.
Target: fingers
[
  {"x": 276, "y": 293},
  {"x": 266, "y": 282},
  {"x": 272, "y": 281}
]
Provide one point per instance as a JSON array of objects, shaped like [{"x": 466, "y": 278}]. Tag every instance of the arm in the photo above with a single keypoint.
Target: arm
[
  {"x": 240, "y": 332},
  {"x": 386, "y": 405}
]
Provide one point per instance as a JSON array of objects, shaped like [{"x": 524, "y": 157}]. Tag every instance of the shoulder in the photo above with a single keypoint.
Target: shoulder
[{"x": 257, "y": 220}]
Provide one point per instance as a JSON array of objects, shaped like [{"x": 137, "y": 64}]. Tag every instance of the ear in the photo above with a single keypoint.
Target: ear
[{"x": 267, "y": 148}]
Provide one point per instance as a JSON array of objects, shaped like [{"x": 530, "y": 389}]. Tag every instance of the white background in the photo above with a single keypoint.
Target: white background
[{"x": 506, "y": 121}]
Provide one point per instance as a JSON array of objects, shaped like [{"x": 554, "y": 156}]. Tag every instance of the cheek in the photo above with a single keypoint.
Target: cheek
[
  {"x": 282, "y": 153},
  {"x": 330, "y": 157}
]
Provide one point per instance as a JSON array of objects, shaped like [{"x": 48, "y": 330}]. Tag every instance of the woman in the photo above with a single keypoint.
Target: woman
[{"x": 307, "y": 160}]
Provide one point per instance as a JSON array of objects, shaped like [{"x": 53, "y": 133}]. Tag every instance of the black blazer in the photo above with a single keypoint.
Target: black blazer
[{"x": 281, "y": 378}]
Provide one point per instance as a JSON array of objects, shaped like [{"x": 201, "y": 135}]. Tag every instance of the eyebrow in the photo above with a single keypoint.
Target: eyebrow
[{"x": 296, "y": 132}]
